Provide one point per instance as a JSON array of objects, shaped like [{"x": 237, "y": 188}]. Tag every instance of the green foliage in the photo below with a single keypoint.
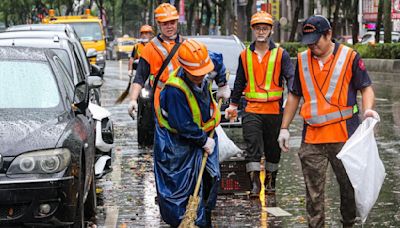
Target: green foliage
[
  {"x": 379, "y": 51},
  {"x": 373, "y": 51},
  {"x": 293, "y": 48}
]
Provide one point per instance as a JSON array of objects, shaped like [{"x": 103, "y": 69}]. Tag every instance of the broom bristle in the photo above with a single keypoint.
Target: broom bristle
[{"x": 122, "y": 97}]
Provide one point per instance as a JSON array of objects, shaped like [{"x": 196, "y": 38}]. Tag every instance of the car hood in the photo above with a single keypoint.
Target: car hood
[{"x": 28, "y": 131}]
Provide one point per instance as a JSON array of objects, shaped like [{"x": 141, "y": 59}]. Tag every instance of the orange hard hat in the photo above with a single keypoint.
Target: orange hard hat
[
  {"x": 166, "y": 12},
  {"x": 261, "y": 17},
  {"x": 194, "y": 58},
  {"x": 146, "y": 28}
]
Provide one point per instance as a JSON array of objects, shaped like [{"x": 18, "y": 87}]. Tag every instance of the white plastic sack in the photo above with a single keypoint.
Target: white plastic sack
[
  {"x": 363, "y": 166},
  {"x": 226, "y": 146}
]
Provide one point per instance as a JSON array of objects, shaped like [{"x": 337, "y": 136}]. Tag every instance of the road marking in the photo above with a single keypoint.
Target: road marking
[{"x": 112, "y": 216}]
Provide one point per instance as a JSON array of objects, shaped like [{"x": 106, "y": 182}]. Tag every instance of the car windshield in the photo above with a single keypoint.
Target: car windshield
[
  {"x": 90, "y": 31},
  {"x": 27, "y": 85},
  {"x": 126, "y": 43},
  {"x": 229, "y": 49}
]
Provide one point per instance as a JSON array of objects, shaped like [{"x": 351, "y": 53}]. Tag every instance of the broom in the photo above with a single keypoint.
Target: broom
[
  {"x": 193, "y": 204},
  {"x": 122, "y": 97}
]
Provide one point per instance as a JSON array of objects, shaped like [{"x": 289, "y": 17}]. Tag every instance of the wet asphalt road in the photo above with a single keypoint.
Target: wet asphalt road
[{"x": 126, "y": 197}]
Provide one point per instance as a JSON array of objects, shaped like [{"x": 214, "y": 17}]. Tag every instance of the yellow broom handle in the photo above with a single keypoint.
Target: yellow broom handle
[{"x": 204, "y": 160}]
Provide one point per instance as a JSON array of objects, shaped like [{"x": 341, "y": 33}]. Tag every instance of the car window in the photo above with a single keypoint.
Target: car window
[
  {"x": 88, "y": 31},
  {"x": 126, "y": 43},
  {"x": 27, "y": 85},
  {"x": 67, "y": 82},
  {"x": 63, "y": 55},
  {"x": 229, "y": 49}
]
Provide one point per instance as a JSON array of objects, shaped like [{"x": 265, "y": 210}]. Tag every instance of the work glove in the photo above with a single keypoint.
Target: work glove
[
  {"x": 224, "y": 92},
  {"x": 283, "y": 139},
  {"x": 372, "y": 113},
  {"x": 209, "y": 146},
  {"x": 231, "y": 113},
  {"x": 133, "y": 107},
  {"x": 130, "y": 73}
]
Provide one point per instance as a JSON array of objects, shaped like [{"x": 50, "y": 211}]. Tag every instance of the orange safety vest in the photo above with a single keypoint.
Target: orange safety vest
[
  {"x": 163, "y": 50},
  {"x": 328, "y": 104},
  {"x": 177, "y": 82},
  {"x": 262, "y": 87},
  {"x": 139, "y": 48}
]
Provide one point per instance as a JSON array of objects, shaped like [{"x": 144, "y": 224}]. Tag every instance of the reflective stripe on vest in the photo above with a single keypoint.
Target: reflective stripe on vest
[
  {"x": 343, "y": 112},
  {"x": 179, "y": 83},
  {"x": 267, "y": 94},
  {"x": 164, "y": 51}
]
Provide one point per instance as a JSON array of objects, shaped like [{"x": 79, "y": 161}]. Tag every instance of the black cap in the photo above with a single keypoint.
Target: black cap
[{"x": 313, "y": 28}]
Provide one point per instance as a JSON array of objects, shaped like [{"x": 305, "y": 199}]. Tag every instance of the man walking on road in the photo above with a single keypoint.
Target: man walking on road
[
  {"x": 328, "y": 76},
  {"x": 156, "y": 54},
  {"x": 262, "y": 69},
  {"x": 186, "y": 114},
  {"x": 146, "y": 33}
]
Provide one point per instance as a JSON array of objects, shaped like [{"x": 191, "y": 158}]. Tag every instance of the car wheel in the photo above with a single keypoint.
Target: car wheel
[
  {"x": 118, "y": 56},
  {"x": 91, "y": 202},
  {"x": 145, "y": 123}
]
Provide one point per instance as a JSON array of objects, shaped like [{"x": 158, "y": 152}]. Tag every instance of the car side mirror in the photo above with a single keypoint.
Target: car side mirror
[
  {"x": 91, "y": 52},
  {"x": 81, "y": 98},
  {"x": 94, "y": 82},
  {"x": 96, "y": 70},
  {"x": 135, "y": 64}
]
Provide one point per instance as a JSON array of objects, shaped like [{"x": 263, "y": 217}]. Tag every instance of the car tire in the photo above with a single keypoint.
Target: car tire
[
  {"x": 91, "y": 202},
  {"x": 145, "y": 123}
]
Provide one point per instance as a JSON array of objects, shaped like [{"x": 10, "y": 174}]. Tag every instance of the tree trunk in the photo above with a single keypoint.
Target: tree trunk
[
  {"x": 355, "y": 27},
  {"x": 123, "y": 16},
  {"x": 192, "y": 9},
  {"x": 208, "y": 19},
  {"x": 199, "y": 22},
  {"x": 249, "y": 12},
  {"x": 387, "y": 21},
  {"x": 295, "y": 20},
  {"x": 336, "y": 19},
  {"x": 379, "y": 21}
]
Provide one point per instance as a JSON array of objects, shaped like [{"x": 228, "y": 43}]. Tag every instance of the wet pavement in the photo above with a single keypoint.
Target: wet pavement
[{"x": 126, "y": 195}]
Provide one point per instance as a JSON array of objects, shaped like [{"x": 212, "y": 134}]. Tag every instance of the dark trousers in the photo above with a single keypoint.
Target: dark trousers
[
  {"x": 260, "y": 133},
  {"x": 314, "y": 161}
]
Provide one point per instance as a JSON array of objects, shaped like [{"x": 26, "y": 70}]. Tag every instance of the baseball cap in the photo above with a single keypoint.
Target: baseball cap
[{"x": 313, "y": 28}]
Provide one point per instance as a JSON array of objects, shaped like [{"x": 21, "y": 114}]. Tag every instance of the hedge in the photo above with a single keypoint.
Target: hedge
[{"x": 367, "y": 51}]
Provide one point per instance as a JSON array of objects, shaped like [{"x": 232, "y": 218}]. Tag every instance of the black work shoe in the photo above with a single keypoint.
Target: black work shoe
[{"x": 255, "y": 183}]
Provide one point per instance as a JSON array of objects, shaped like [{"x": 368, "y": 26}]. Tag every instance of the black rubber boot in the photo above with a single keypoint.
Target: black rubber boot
[
  {"x": 270, "y": 182},
  {"x": 255, "y": 183}
]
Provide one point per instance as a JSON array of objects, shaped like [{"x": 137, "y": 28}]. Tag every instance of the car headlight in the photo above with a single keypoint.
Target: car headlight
[
  {"x": 100, "y": 56},
  {"x": 145, "y": 93},
  {"x": 41, "y": 162}
]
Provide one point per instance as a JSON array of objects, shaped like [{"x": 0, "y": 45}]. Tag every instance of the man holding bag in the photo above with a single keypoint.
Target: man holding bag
[{"x": 328, "y": 76}]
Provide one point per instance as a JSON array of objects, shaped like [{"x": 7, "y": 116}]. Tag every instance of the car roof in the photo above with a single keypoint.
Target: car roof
[
  {"x": 212, "y": 37},
  {"x": 34, "y": 39},
  {"x": 33, "y": 34},
  {"x": 23, "y": 53},
  {"x": 66, "y": 28}
]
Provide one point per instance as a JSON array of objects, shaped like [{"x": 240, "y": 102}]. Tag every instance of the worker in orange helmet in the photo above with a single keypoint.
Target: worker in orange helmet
[
  {"x": 262, "y": 71},
  {"x": 186, "y": 114},
  {"x": 158, "y": 59},
  {"x": 146, "y": 33}
]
